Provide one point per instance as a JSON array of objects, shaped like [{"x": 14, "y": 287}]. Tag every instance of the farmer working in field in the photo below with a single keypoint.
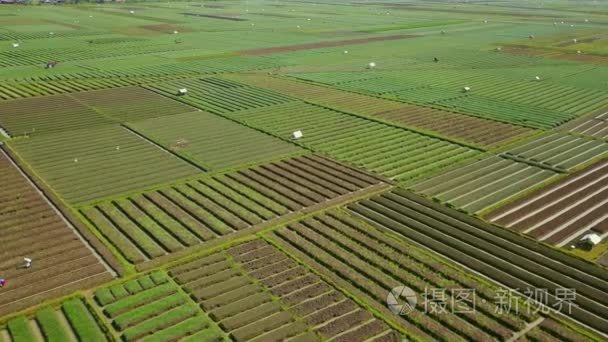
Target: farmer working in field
[{"x": 2, "y": 282}]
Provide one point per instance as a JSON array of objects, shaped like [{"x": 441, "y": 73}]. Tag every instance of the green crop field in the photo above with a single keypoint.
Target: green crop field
[
  {"x": 213, "y": 142},
  {"x": 262, "y": 170}
]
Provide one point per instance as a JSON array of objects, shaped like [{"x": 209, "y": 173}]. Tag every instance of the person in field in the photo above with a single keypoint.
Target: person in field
[
  {"x": 2, "y": 282},
  {"x": 28, "y": 262}
]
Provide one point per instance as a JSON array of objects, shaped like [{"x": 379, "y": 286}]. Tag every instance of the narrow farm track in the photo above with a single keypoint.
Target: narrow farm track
[
  {"x": 504, "y": 257},
  {"x": 33, "y": 228}
]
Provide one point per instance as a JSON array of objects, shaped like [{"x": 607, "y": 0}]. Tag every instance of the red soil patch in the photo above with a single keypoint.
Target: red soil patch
[{"x": 310, "y": 46}]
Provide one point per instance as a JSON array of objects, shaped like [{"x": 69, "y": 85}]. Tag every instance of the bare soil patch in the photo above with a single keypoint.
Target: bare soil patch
[{"x": 320, "y": 45}]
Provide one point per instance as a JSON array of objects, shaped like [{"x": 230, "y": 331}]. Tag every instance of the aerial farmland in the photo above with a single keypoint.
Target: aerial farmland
[{"x": 265, "y": 170}]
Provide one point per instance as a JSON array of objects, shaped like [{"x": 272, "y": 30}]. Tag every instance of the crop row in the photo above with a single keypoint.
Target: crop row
[
  {"x": 130, "y": 103},
  {"x": 596, "y": 126},
  {"x": 562, "y": 212},
  {"x": 153, "y": 308},
  {"x": 82, "y": 165},
  {"x": 524, "y": 102},
  {"x": 483, "y": 184},
  {"x": 47, "y": 114},
  {"x": 31, "y": 228},
  {"x": 15, "y": 35},
  {"x": 72, "y": 320},
  {"x": 156, "y": 223},
  {"x": 255, "y": 292},
  {"x": 36, "y": 56},
  {"x": 213, "y": 142},
  {"x": 221, "y": 95},
  {"x": 329, "y": 97},
  {"x": 375, "y": 264},
  {"x": 508, "y": 258},
  {"x": 453, "y": 125},
  {"x": 559, "y": 151},
  {"x": 393, "y": 152}
]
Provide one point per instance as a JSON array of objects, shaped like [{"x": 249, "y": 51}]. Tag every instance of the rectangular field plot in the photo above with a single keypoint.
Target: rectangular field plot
[
  {"x": 46, "y": 115},
  {"x": 214, "y": 142},
  {"x": 559, "y": 151},
  {"x": 323, "y": 95},
  {"x": 221, "y": 95},
  {"x": 564, "y": 211},
  {"x": 130, "y": 103},
  {"x": 372, "y": 264},
  {"x": 483, "y": 184},
  {"x": 156, "y": 223},
  {"x": 31, "y": 228},
  {"x": 596, "y": 127},
  {"x": 153, "y": 308},
  {"x": 71, "y": 321},
  {"x": 83, "y": 165},
  {"x": 513, "y": 260},
  {"x": 390, "y": 151},
  {"x": 529, "y": 103},
  {"x": 257, "y": 293},
  {"x": 456, "y": 126}
]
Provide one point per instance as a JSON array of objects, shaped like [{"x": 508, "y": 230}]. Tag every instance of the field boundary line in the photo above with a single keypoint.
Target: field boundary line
[
  {"x": 159, "y": 146},
  {"x": 525, "y": 330},
  {"x": 76, "y": 232},
  {"x": 487, "y": 278},
  {"x": 190, "y": 253}
]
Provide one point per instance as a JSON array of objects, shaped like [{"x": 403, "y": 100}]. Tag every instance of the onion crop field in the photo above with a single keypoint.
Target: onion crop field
[
  {"x": 293, "y": 171},
  {"x": 390, "y": 151},
  {"x": 558, "y": 151},
  {"x": 71, "y": 321},
  {"x": 596, "y": 127},
  {"x": 460, "y": 127},
  {"x": 50, "y": 114},
  {"x": 153, "y": 308},
  {"x": 511, "y": 259},
  {"x": 563, "y": 211},
  {"x": 221, "y": 95},
  {"x": 483, "y": 184},
  {"x": 212, "y": 142},
  {"x": 82, "y": 165},
  {"x": 31, "y": 227},
  {"x": 152, "y": 224},
  {"x": 257, "y": 293},
  {"x": 374, "y": 263}
]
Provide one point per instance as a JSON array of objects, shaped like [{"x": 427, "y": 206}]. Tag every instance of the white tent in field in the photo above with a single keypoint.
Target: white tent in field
[{"x": 297, "y": 135}]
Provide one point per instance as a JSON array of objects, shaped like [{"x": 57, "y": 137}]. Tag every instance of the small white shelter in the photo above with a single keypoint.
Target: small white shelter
[
  {"x": 15, "y": 45},
  {"x": 297, "y": 135},
  {"x": 466, "y": 89},
  {"x": 591, "y": 239},
  {"x": 371, "y": 65},
  {"x": 537, "y": 78},
  {"x": 182, "y": 91}
]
